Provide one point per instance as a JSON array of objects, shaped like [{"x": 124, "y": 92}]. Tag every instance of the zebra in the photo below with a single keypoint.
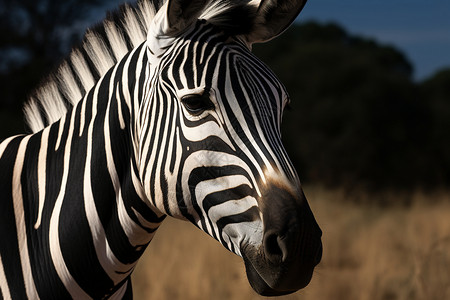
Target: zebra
[{"x": 162, "y": 111}]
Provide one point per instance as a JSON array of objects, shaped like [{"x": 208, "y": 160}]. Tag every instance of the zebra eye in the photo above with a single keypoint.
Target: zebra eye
[{"x": 197, "y": 104}]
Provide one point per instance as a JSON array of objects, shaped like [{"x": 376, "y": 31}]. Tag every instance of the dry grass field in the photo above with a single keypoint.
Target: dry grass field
[{"x": 370, "y": 253}]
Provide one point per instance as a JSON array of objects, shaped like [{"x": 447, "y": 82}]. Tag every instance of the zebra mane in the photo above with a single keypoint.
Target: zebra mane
[
  {"x": 102, "y": 47},
  {"x": 105, "y": 45}
]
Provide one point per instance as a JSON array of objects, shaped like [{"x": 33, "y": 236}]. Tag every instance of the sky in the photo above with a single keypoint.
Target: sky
[{"x": 419, "y": 28}]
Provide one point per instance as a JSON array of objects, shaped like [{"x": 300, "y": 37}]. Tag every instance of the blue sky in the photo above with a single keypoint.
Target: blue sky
[{"x": 419, "y": 28}]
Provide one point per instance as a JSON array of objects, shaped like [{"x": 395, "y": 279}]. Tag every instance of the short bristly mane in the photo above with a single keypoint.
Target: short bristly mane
[
  {"x": 102, "y": 47},
  {"x": 106, "y": 44}
]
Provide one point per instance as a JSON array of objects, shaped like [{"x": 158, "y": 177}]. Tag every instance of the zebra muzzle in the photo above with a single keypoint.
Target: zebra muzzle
[{"x": 291, "y": 246}]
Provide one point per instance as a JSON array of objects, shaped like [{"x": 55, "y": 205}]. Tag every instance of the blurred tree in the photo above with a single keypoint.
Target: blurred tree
[
  {"x": 437, "y": 92},
  {"x": 358, "y": 117},
  {"x": 34, "y": 36}
]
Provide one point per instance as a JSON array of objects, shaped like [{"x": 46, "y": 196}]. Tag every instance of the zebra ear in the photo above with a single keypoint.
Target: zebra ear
[
  {"x": 175, "y": 17},
  {"x": 272, "y": 18},
  {"x": 181, "y": 14},
  {"x": 171, "y": 20}
]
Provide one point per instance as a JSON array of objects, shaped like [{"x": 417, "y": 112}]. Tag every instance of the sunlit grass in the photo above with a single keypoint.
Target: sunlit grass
[{"x": 370, "y": 252}]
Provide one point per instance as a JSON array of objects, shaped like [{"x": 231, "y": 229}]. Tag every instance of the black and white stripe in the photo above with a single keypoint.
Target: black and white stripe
[{"x": 83, "y": 196}]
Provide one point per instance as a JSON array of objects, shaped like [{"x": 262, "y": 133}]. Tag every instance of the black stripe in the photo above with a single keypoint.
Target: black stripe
[
  {"x": 37, "y": 244},
  {"x": 250, "y": 215},
  {"x": 75, "y": 237},
  {"x": 48, "y": 283},
  {"x": 9, "y": 248}
]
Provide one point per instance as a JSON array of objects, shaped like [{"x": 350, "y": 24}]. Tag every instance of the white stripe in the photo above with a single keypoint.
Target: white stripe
[
  {"x": 203, "y": 131},
  {"x": 136, "y": 109},
  {"x": 239, "y": 116},
  {"x": 161, "y": 130},
  {"x": 231, "y": 207},
  {"x": 144, "y": 222},
  {"x": 20, "y": 221},
  {"x": 139, "y": 68},
  {"x": 259, "y": 128},
  {"x": 149, "y": 126},
  {"x": 120, "y": 292},
  {"x": 138, "y": 187},
  {"x": 60, "y": 131},
  {"x": 106, "y": 258},
  {"x": 42, "y": 175},
  {"x": 185, "y": 56},
  {"x": 5, "y": 144},
  {"x": 172, "y": 177},
  {"x": 208, "y": 159},
  {"x": 238, "y": 113},
  {"x": 119, "y": 110},
  {"x": 115, "y": 89},
  {"x": 124, "y": 81},
  {"x": 207, "y": 187},
  {"x": 137, "y": 235},
  {"x": 55, "y": 248},
  {"x": 4, "y": 288},
  {"x": 83, "y": 116}
]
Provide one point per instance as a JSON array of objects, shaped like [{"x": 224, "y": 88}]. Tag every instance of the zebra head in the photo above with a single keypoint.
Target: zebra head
[{"x": 210, "y": 147}]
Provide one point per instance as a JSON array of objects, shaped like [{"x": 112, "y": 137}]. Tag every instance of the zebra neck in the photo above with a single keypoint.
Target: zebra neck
[
  {"x": 92, "y": 200},
  {"x": 89, "y": 198}
]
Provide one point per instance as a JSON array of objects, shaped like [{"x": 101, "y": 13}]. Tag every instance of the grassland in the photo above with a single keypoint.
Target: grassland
[{"x": 370, "y": 253}]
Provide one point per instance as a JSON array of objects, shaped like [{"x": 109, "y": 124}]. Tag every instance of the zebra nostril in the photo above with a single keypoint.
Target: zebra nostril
[{"x": 274, "y": 247}]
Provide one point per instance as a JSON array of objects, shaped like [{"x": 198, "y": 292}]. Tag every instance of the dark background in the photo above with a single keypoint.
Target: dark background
[{"x": 358, "y": 118}]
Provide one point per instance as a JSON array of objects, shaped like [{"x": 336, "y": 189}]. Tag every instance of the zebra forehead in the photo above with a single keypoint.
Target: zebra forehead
[{"x": 208, "y": 53}]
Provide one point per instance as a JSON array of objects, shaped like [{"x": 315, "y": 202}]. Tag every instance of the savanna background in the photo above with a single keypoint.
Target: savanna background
[{"x": 370, "y": 140}]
